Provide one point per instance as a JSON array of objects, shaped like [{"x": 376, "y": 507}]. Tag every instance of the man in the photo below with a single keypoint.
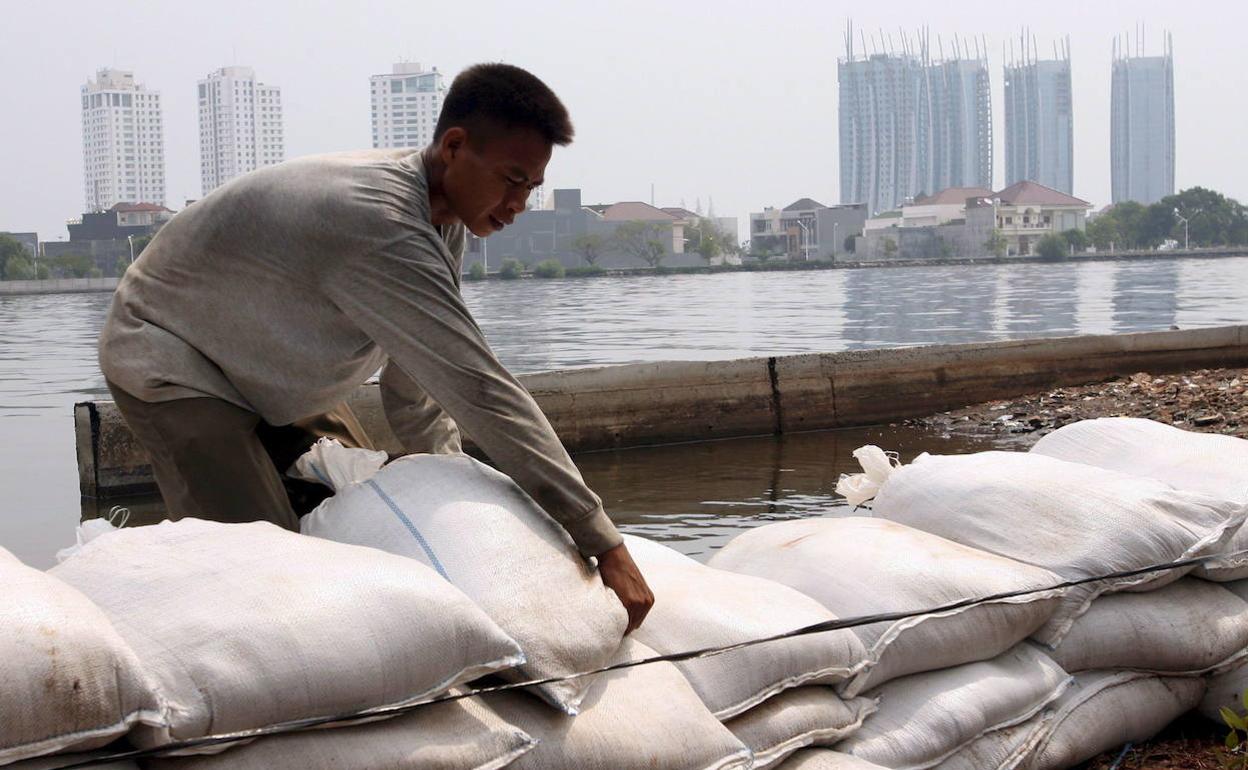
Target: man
[{"x": 254, "y": 313}]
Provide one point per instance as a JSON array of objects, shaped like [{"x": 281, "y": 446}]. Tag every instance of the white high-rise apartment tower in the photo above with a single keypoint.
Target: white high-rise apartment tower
[
  {"x": 123, "y": 146},
  {"x": 406, "y": 104},
  {"x": 1039, "y": 116},
  {"x": 1141, "y": 123},
  {"x": 240, "y": 125}
]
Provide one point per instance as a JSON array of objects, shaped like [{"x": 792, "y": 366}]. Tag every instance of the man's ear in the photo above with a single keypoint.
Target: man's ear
[{"x": 452, "y": 141}]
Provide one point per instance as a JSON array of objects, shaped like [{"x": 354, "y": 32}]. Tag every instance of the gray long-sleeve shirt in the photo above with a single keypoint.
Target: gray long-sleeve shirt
[{"x": 287, "y": 288}]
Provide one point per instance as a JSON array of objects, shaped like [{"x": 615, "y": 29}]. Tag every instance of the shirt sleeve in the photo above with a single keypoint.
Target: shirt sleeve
[
  {"x": 404, "y": 297},
  {"x": 420, "y": 424}
]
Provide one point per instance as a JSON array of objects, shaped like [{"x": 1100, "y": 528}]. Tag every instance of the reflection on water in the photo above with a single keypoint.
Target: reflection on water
[
  {"x": 695, "y": 497},
  {"x": 697, "y": 494}
]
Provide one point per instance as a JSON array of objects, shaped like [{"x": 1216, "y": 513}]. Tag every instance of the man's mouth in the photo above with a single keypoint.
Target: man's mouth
[{"x": 496, "y": 223}]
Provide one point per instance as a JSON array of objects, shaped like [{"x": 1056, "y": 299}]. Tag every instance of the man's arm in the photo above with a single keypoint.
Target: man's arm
[
  {"x": 416, "y": 419},
  {"x": 404, "y": 298}
]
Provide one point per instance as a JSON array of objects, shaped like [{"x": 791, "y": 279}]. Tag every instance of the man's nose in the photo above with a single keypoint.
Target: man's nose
[{"x": 516, "y": 202}]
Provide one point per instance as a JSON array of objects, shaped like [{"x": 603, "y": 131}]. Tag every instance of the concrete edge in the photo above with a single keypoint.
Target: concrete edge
[{"x": 680, "y": 401}]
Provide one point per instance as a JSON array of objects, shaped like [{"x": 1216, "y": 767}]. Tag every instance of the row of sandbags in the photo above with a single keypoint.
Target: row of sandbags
[
  {"x": 1095, "y": 497},
  {"x": 205, "y": 627},
  {"x": 196, "y": 628}
]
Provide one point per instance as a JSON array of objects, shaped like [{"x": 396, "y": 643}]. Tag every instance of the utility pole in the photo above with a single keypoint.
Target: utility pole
[{"x": 1183, "y": 219}]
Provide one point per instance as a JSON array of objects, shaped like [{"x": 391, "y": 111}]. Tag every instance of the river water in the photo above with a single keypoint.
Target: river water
[{"x": 695, "y": 496}]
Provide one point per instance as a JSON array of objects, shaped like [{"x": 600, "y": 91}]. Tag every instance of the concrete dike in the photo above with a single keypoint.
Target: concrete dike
[
  {"x": 681, "y": 401},
  {"x": 58, "y": 286}
]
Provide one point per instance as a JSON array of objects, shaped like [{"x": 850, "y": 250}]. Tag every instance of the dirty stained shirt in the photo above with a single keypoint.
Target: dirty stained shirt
[{"x": 285, "y": 289}]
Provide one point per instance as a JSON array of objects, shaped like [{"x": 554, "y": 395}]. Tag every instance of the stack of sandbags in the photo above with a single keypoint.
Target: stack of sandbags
[
  {"x": 926, "y": 719},
  {"x": 453, "y": 735},
  {"x": 1188, "y": 627},
  {"x": 1102, "y": 710},
  {"x": 1198, "y": 462},
  {"x": 481, "y": 532},
  {"x": 699, "y": 607},
  {"x": 1077, "y": 520},
  {"x": 68, "y": 679},
  {"x": 641, "y": 717},
  {"x": 247, "y": 625},
  {"x": 857, "y": 566},
  {"x": 796, "y": 718},
  {"x": 1228, "y": 684}
]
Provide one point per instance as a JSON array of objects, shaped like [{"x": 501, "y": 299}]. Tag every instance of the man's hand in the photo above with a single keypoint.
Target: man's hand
[{"x": 621, "y": 575}]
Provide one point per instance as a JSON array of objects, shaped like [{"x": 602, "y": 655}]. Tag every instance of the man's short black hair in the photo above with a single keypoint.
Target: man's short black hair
[{"x": 488, "y": 97}]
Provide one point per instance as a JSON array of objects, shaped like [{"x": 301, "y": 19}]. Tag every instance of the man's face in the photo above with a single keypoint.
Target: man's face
[{"x": 486, "y": 186}]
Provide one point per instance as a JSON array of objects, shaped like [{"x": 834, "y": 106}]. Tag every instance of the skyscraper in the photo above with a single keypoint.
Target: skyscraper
[
  {"x": 406, "y": 104},
  {"x": 1142, "y": 123},
  {"x": 1039, "y": 118},
  {"x": 879, "y": 127},
  {"x": 960, "y": 104},
  {"x": 240, "y": 126},
  {"x": 910, "y": 124},
  {"x": 123, "y": 146}
]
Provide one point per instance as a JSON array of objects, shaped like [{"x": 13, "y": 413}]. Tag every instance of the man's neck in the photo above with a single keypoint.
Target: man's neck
[{"x": 435, "y": 170}]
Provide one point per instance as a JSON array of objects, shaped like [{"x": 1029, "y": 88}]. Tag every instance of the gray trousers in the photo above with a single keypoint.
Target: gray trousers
[{"x": 214, "y": 460}]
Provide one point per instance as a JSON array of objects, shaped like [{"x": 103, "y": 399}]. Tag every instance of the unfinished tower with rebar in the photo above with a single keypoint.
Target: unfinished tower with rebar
[
  {"x": 911, "y": 120},
  {"x": 1039, "y": 115},
  {"x": 1141, "y": 144}
]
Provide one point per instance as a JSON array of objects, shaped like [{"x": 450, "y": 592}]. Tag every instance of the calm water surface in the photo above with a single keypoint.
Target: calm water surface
[{"x": 696, "y": 496}]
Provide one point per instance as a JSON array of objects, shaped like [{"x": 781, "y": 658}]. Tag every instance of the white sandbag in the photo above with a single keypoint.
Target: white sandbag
[
  {"x": 926, "y": 718},
  {"x": 641, "y": 717},
  {"x": 1076, "y": 520},
  {"x": 1226, "y": 688},
  {"x": 1103, "y": 710},
  {"x": 698, "y": 607},
  {"x": 456, "y": 735},
  {"x": 856, "y": 566},
  {"x": 826, "y": 759},
  {"x": 1200, "y": 462},
  {"x": 68, "y": 679},
  {"x": 796, "y": 718},
  {"x": 1004, "y": 749},
  {"x": 1189, "y": 626},
  {"x": 247, "y": 625},
  {"x": 481, "y": 532}
]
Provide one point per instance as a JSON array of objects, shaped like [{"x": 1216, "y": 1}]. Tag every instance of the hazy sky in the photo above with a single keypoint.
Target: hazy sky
[{"x": 730, "y": 100}]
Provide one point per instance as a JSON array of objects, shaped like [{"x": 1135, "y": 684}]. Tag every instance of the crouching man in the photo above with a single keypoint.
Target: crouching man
[{"x": 236, "y": 338}]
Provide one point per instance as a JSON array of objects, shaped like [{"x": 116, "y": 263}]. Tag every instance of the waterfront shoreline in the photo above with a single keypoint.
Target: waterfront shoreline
[
  {"x": 102, "y": 285},
  {"x": 1204, "y": 400}
]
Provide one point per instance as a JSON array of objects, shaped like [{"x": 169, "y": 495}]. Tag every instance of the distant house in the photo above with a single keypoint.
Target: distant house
[
  {"x": 108, "y": 236},
  {"x": 960, "y": 222},
  {"x": 559, "y": 233},
  {"x": 1027, "y": 211},
  {"x": 119, "y": 222},
  {"x": 806, "y": 229}
]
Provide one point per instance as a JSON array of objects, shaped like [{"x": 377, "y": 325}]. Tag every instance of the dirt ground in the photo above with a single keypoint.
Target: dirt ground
[{"x": 1209, "y": 400}]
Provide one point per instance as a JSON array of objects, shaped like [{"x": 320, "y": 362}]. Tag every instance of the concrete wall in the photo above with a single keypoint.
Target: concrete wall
[
  {"x": 642, "y": 404},
  {"x": 59, "y": 286}
]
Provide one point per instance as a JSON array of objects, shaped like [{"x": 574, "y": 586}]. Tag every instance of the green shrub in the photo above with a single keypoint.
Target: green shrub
[
  {"x": 549, "y": 268},
  {"x": 476, "y": 272},
  {"x": 511, "y": 269},
  {"x": 582, "y": 271},
  {"x": 1052, "y": 247}
]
